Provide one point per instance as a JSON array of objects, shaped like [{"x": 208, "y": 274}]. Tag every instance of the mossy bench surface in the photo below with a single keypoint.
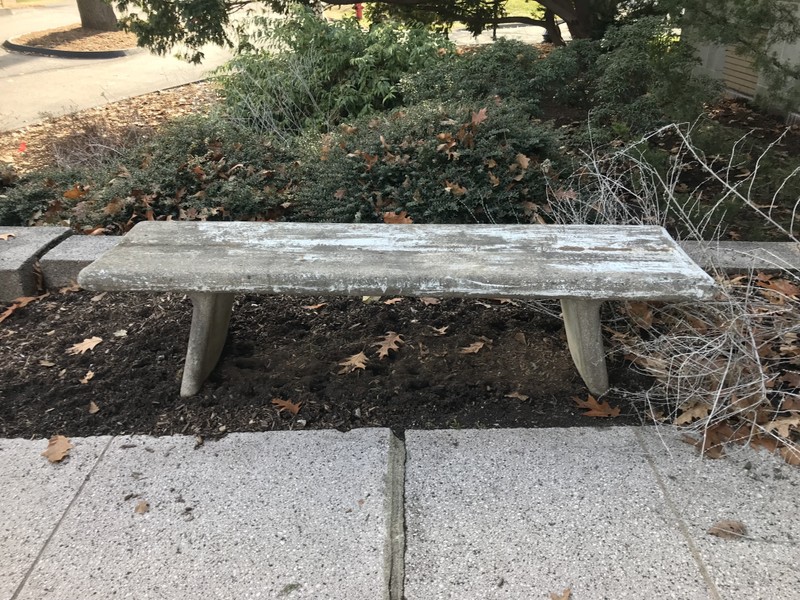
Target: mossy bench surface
[
  {"x": 581, "y": 265},
  {"x": 519, "y": 261}
]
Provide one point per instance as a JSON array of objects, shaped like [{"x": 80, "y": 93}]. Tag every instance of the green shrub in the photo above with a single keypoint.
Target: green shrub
[
  {"x": 504, "y": 68},
  {"x": 306, "y": 73},
  {"x": 637, "y": 77},
  {"x": 196, "y": 168},
  {"x": 441, "y": 163}
]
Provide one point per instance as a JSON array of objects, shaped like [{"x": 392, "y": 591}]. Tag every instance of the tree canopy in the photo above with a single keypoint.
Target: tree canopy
[{"x": 753, "y": 27}]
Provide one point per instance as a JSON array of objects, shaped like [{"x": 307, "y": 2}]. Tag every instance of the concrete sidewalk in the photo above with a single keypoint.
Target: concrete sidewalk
[
  {"x": 513, "y": 514},
  {"x": 33, "y": 87}
]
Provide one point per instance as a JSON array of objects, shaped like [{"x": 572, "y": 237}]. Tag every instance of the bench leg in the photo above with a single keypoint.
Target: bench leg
[
  {"x": 210, "y": 318},
  {"x": 585, "y": 341}
]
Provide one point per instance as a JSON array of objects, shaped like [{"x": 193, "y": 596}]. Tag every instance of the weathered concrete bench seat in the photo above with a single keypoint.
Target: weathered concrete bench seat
[{"x": 581, "y": 265}]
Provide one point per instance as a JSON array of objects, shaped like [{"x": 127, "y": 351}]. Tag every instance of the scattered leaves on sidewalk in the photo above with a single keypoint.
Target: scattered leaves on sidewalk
[
  {"x": 58, "y": 447},
  {"x": 595, "y": 408},
  {"x": 389, "y": 342},
  {"x": 287, "y": 405},
  {"x": 565, "y": 595},
  {"x": 728, "y": 529},
  {"x": 142, "y": 507},
  {"x": 350, "y": 364},
  {"x": 82, "y": 347}
]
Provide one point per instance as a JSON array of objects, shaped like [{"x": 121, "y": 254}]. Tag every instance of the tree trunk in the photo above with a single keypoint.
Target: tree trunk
[
  {"x": 96, "y": 14},
  {"x": 553, "y": 32}
]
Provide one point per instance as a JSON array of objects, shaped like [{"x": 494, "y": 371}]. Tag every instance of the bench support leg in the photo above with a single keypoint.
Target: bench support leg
[
  {"x": 585, "y": 341},
  {"x": 210, "y": 318}
]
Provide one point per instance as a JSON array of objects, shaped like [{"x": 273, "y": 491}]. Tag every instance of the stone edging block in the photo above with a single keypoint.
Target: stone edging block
[{"x": 18, "y": 255}]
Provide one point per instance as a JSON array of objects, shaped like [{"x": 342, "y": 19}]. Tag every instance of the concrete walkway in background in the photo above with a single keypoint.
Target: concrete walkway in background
[
  {"x": 33, "y": 87},
  {"x": 475, "y": 515}
]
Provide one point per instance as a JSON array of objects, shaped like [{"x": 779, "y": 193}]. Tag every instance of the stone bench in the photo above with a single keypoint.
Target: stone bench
[{"x": 580, "y": 265}]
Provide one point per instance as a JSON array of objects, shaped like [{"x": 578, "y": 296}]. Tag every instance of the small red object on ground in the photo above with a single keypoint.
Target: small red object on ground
[{"x": 359, "y": 10}]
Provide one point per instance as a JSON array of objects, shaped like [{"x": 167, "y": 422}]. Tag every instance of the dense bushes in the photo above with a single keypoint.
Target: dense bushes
[
  {"x": 633, "y": 79},
  {"x": 307, "y": 73},
  {"x": 438, "y": 162}
]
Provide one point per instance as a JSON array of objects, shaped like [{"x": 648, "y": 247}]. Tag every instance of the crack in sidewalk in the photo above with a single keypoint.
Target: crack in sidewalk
[{"x": 395, "y": 511}]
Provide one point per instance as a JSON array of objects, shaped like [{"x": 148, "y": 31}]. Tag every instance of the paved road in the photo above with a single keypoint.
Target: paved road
[{"x": 34, "y": 86}]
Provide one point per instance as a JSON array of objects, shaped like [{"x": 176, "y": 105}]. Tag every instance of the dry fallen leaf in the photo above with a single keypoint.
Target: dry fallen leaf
[
  {"x": 565, "y": 595},
  {"x": 479, "y": 117},
  {"x": 6, "y": 236},
  {"x": 791, "y": 454},
  {"x": 699, "y": 410},
  {"x": 47, "y": 363},
  {"x": 473, "y": 348},
  {"x": 72, "y": 287},
  {"x": 427, "y": 301},
  {"x": 99, "y": 297},
  {"x": 142, "y": 507},
  {"x": 518, "y": 396},
  {"x": 370, "y": 299},
  {"x": 93, "y": 408},
  {"x": 389, "y": 342},
  {"x": 782, "y": 426},
  {"x": 728, "y": 529},
  {"x": 400, "y": 218},
  {"x": 287, "y": 405},
  {"x": 709, "y": 447},
  {"x": 57, "y": 448},
  {"x": 350, "y": 364},
  {"x": 121, "y": 333},
  {"x": 391, "y": 301},
  {"x": 19, "y": 303},
  {"x": 314, "y": 306},
  {"x": 595, "y": 408},
  {"x": 88, "y": 377},
  {"x": 85, "y": 345},
  {"x": 440, "y": 330}
]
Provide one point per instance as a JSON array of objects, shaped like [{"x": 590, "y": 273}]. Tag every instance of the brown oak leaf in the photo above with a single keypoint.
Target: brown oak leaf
[
  {"x": 400, "y": 218},
  {"x": 6, "y": 236},
  {"x": 287, "y": 405},
  {"x": 350, "y": 364},
  {"x": 473, "y": 348},
  {"x": 389, "y": 342},
  {"x": 595, "y": 408},
  {"x": 479, "y": 117},
  {"x": 57, "y": 448},
  {"x": 85, "y": 345}
]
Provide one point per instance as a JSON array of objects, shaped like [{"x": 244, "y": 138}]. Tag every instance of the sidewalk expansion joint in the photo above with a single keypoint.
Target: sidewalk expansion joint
[
  {"x": 50, "y": 537},
  {"x": 713, "y": 592},
  {"x": 395, "y": 510}
]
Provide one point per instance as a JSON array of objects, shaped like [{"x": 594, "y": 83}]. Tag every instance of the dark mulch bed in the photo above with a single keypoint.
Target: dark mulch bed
[{"x": 280, "y": 349}]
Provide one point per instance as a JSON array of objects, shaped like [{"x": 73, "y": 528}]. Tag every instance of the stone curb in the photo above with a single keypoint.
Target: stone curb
[
  {"x": 54, "y": 53},
  {"x": 63, "y": 258}
]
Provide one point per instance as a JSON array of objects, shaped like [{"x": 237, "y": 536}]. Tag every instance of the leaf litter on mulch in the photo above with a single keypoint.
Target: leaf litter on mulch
[{"x": 286, "y": 352}]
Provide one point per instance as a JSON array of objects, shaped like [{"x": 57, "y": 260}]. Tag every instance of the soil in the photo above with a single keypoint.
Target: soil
[
  {"x": 278, "y": 349},
  {"x": 289, "y": 349},
  {"x": 78, "y": 39}
]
